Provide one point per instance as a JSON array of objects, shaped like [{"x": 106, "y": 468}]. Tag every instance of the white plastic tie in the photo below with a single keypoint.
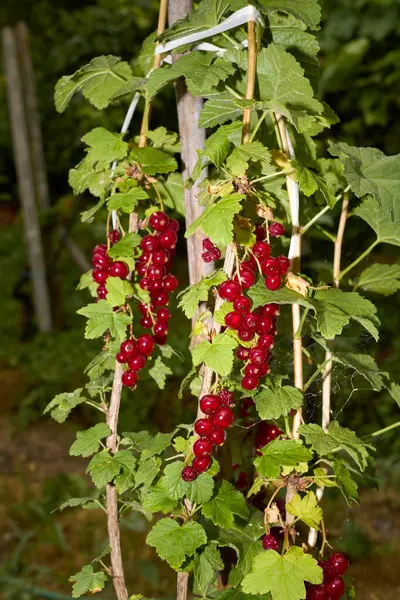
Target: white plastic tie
[{"x": 294, "y": 204}]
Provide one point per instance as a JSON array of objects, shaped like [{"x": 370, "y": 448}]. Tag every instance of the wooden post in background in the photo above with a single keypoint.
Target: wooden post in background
[{"x": 20, "y": 138}]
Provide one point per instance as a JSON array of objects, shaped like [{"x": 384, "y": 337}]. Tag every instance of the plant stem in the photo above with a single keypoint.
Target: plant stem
[
  {"x": 359, "y": 259},
  {"x": 385, "y": 429},
  {"x": 272, "y": 175},
  {"x": 258, "y": 124},
  {"x": 316, "y": 373},
  {"x": 311, "y": 222}
]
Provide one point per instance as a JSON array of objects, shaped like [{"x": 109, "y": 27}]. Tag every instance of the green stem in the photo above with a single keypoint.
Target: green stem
[
  {"x": 315, "y": 374},
  {"x": 258, "y": 125},
  {"x": 385, "y": 429},
  {"x": 359, "y": 259},
  {"x": 303, "y": 320},
  {"x": 272, "y": 175},
  {"x": 233, "y": 92},
  {"x": 232, "y": 41},
  {"x": 314, "y": 219}
]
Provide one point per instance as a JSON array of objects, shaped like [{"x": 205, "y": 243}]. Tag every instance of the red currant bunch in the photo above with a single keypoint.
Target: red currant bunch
[
  {"x": 104, "y": 267},
  {"x": 266, "y": 433},
  {"x": 333, "y": 586},
  {"x": 134, "y": 353},
  {"x": 210, "y": 251},
  {"x": 210, "y": 430},
  {"x": 276, "y": 229}
]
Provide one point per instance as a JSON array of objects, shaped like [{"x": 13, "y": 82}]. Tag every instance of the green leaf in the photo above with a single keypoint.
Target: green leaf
[
  {"x": 310, "y": 183},
  {"x": 127, "y": 202},
  {"x": 86, "y": 282},
  {"x": 217, "y": 355},
  {"x": 220, "y": 314},
  {"x": 104, "y": 145},
  {"x": 124, "y": 481},
  {"x": 98, "y": 81},
  {"x": 147, "y": 471},
  {"x": 382, "y": 217},
  {"x": 172, "y": 480},
  {"x": 321, "y": 478},
  {"x": 201, "y": 489},
  {"x": 159, "y": 372},
  {"x": 172, "y": 192},
  {"x": 365, "y": 365},
  {"x": 283, "y": 576},
  {"x": 173, "y": 543},
  {"x": 164, "y": 140},
  {"x": 153, "y": 161},
  {"x": 260, "y": 295},
  {"x": 202, "y": 71},
  {"x": 101, "y": 317},
  {"x": 218, "y": 145},
  {"x": 105, "y": 466},
  {"x": 157, "y": 500},
  {"x": 84, "y": 176},
  {"x": 274, "y": 401},
  {"x": 238, "y": 161},
  {"x": 337, "y": 438},
  {"x": 227, "y": 503},
  {"x": 150, "y": 445},
  {"x": 88, "y": 442},
  {"x": 118, "y": 289},
  {"x": 308, "y": 11},
  {"x": 306, "y": 509},
  {"x": 206, "y": 563},
  {"x": 125, "y": 246},
  {"x": 87, "y": 503},
  {"x": 86, "y": 580},
  {"x": 278, "y": 454},
  {"x": 335, "y": 308},
  {"x": 217, "y": 220},
  {"x": 62, "y": 404},
  {"x": 380, "y": 279},
  {"x": 219, "y": 109},
  {"x": 248, "y": 550},
  {"x": 207, "y": 14},
  {"x": 281, "y": 80},
  {"x": 194, "y": 294},
  {"x": 345, "y": 482}
]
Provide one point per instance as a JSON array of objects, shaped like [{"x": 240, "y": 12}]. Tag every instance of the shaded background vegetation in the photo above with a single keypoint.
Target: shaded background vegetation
[{"x": 360, "y": 78}]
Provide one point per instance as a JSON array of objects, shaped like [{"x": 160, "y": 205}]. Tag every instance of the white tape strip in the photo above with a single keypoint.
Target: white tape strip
[
  {"x": 294, "y": 195},
  {"x": 248, "y": 13}
]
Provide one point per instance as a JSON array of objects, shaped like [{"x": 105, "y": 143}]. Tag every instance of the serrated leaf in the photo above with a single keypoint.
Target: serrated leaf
[
  {"x": 238, "y": 161},
  {"x": 201, "y": 489},
  {"x": 260, "y": 296},
  {"x": 219, "y": 109},
  {"x": 173, "y": 543},
  {"x": 345, "y": 482},
  {"x": 220, "y": 314},
  {"x": 157, "y": 500},
  {"x": 125, "y": 246},
  {"x": 365, "y": 365},
  {"x": 310, "y": 183},
  {"x": 306, "y": 509},
  {"x": 217, "y": 220},
  {"x": 86, "y": 580},
  {"x": 150, "y": 445},
  {"x": 172, "y": 480},
  {"x": 118, "y": 289},
  {"x": 104, "y": 145},
  {"x": 207, "y": 14},
  {"x": 164, "y": 140},
  {"x": 283, "y": 576},
  {"x": 101, "y": 317},
  {"x": 227, "y": 503},
  {"x": 88, "y": 442},
  {"x": 278, "y": 454},
  {"x": 159, "y": 372},
  {"x": 194, "y": 294},
  {"x": 274, "y": 401},
  {"x": 308, "y": 11},
  {"x": 248, "y": 550},
  {"x": 147, "y": 471},
  {"x": 84, "y": 176},
  {"x": 335, "y": 439},
  {"x": 86, "y": 502},
  {"x": 380, "y": 279},
  {"x": 105, "y": 466},
  {"x": 98, "y": 81},
  {"x": 128, "y": 201},
  {"x": 172, "y": 192},
  {"x": 182, "y": 444},
  {"x": 62, "y": 404},
  {"x": 153, "y": 161},
  {"x": 382, "y": 217},
  {"x": 206, "y": 564},
  {"x": 217, "y": 355},
  {"x": 322, "y": 480}
]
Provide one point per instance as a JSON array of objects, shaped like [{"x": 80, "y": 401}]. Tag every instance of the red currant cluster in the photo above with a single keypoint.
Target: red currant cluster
[
  {"x": 211, "y": 431},
  {"x": 134, "y": 353},
  {"x": 104, "y": 266},
  {"x": 333, "y": 586},
  {"x": 210, "y": 251}
]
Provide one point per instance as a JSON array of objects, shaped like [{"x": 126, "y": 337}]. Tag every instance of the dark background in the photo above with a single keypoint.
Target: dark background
[{"x": 360, "y": 79}]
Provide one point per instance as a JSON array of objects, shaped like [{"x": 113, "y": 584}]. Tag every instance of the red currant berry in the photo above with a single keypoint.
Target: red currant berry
[
  {"x": 227, "y": 397},
  {"x": 145, "y": 257},
  {"x": 243, "y": 353},
  {"x": 160, "y": 329},
  {"x": 271, "y": 266},
  {"x": 170, "y": 283},
  {"x": 128, "y": 348},
  {"x": 146, "y": 283},
  {"x": 229, "y": 290},
  {"x": 203, "y": 427},
  {"x": 242, "y": 482},
  {"x": 100, "y": 260},
  {"x": 163, "y": 315},
  {"x": 100, "y": 275},
  {"x": 114, "y": 236},
  {"x": 246, "y": 335},
  {"x": 208, "y": 244},
  {"x": 217, "y": 437},
  {"x": 250, "y": 321},
  {"x": 189, "y": 474},
  {"x": 265, "y": 325},
  {"x": 149, "y": 243},
  {"x": 155, "y": 272},
  {"x": 119, "y": 269},
  {"x": 160, "y": 258},
  {"x": 141, "y": 269},
  {"x": 284, "y": 264},
  {"x": 316, "y": 592},
  {"x": 159, "y": 221},
  {"x": 276, "y": 229},
  {"x": 273, "y": 282},
  {"x": 129, "y": 378},
  {"x": 327, "y": 570},
  {"x": 202, "y": 448},
  {"x": 247, "y": 278},
  {"x": 102, "y": 291},
  {"x": 335, "y": 589},
  {"x": 266, "y": 341},
  {"x": 249, "y": 382},
  {"x": 261, "y": 250},
  {"x": 253, "y": 370},
  {"x": 121, "y": 358},
  {"x": 210, "y": 404},
  {"x": 160, "y": 298},
  {"x": 136, "y": 363},
  {"x": 101, "y": 248},
  {"x": 145, "y": 309},
  {"x": 167, "y": 239},
  {"x": 258, "y": 355},
  {"x": 339, "y": 563},
  {"x": 223, "y": 418},
  {"x": 146, "y": 322},
  {"x": 270, "y": 310},
  {"x": 233, "y": 320},
  {"x": 201, "y": 463},
  {"x": 161, "y": 340},
  {"x": 260, "y": 232},
  {"x": 145, "y": 344},
  {"x": 174, "y": 225},
  {"x": 156, "y": 285},
  {"x": 215, "y": 254},
  {"x": 207, "y": 257},
  {"x": 270, "y": 542},
  {"x": 242, "y": 304},
  {"x": 249, "y": 264}
]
